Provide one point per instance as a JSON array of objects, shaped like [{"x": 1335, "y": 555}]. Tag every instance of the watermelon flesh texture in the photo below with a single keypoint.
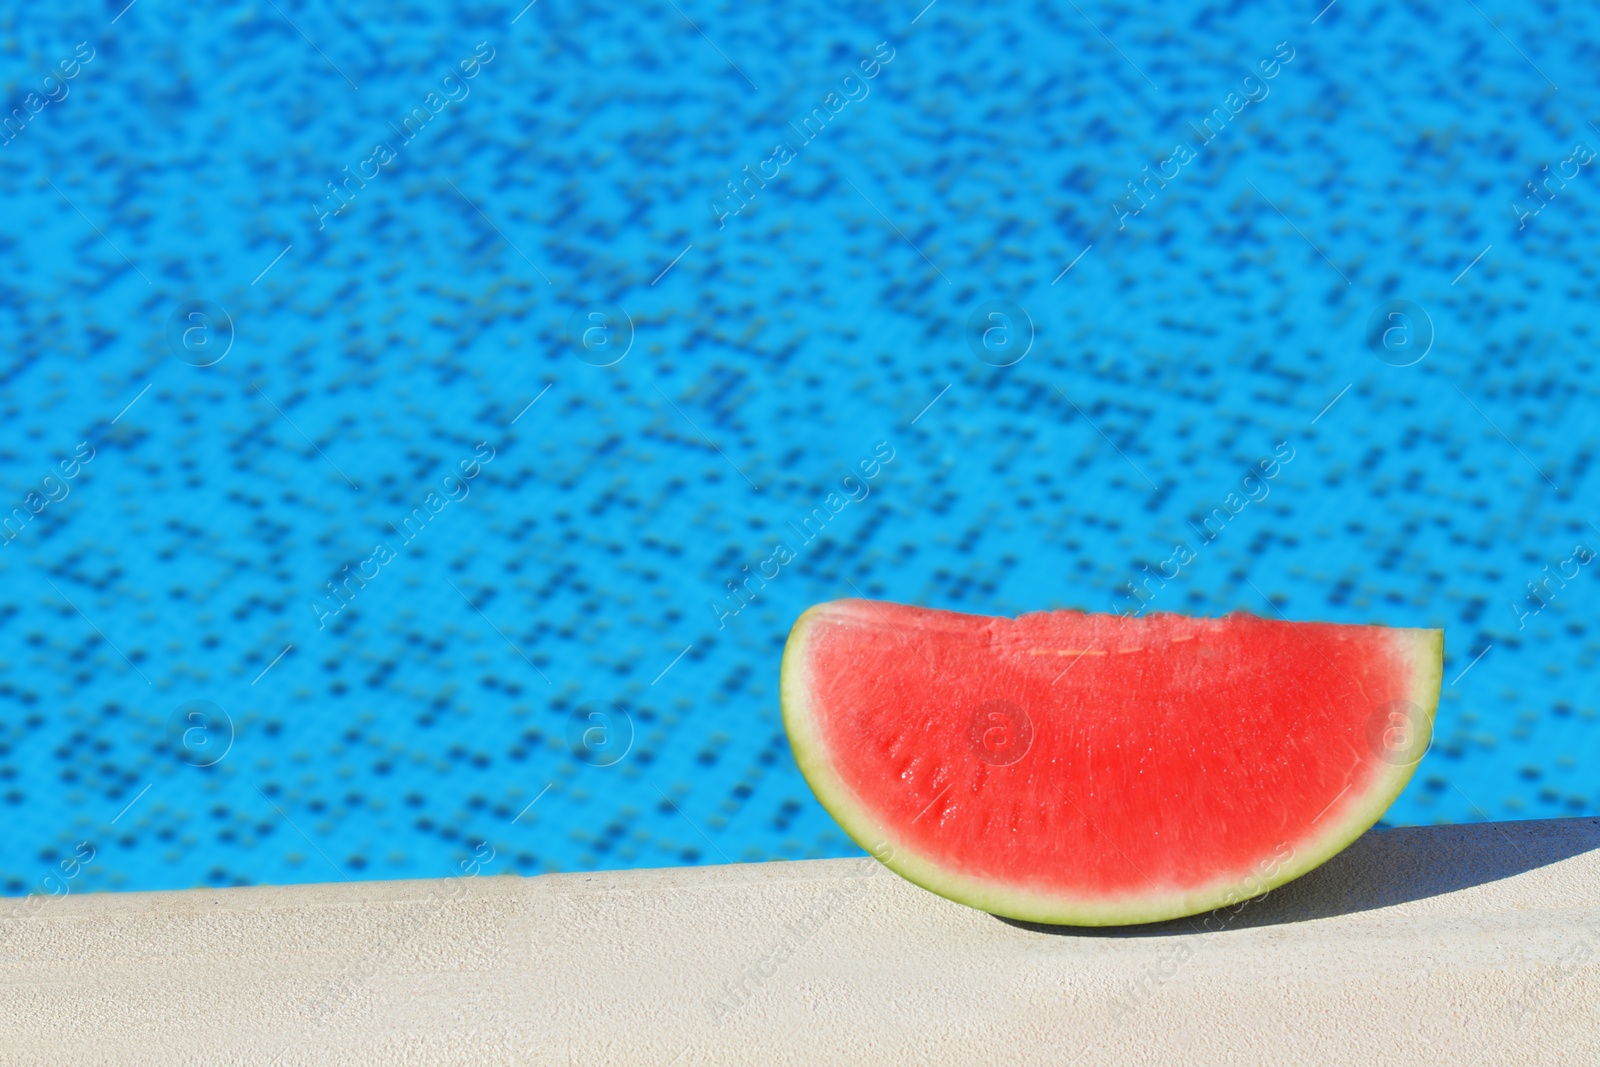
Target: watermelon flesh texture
[{"x": 1101, "y": 770}]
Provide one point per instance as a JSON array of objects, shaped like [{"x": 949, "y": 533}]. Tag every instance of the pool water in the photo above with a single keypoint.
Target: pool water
[{"x": 396, "y": 394}]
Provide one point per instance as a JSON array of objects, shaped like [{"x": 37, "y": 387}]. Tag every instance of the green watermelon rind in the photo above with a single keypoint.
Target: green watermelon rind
[{"x": 1310, "y": 852}]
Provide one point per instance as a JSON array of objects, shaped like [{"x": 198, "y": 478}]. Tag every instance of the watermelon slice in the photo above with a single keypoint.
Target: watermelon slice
[{"x": 1098, "y": 770}]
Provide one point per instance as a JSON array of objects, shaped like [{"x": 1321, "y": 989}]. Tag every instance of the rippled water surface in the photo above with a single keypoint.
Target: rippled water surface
[{"x": 533, "y": 330}]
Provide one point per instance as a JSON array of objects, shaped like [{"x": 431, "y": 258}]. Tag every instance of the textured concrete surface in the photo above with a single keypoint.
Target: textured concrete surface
[{"x": 1472, "y": 944}]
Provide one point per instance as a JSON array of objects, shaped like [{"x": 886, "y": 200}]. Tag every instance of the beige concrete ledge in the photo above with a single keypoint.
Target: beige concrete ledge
[{"x": 1472, "y": 944}]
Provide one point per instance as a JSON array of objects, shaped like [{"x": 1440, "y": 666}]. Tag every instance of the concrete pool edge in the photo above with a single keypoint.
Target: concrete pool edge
[{"x": 1462, "y": 944}]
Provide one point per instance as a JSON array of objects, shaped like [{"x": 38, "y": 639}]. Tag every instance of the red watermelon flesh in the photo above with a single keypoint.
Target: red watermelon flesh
[{"x": 1097, "y": 769}]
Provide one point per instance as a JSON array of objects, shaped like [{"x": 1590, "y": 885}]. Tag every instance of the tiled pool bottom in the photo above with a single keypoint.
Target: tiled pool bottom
[{"x": 427, "y": 726}]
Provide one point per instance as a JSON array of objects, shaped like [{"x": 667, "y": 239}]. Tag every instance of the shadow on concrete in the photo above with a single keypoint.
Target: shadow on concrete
[{"x": 1382, "y": 868}]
